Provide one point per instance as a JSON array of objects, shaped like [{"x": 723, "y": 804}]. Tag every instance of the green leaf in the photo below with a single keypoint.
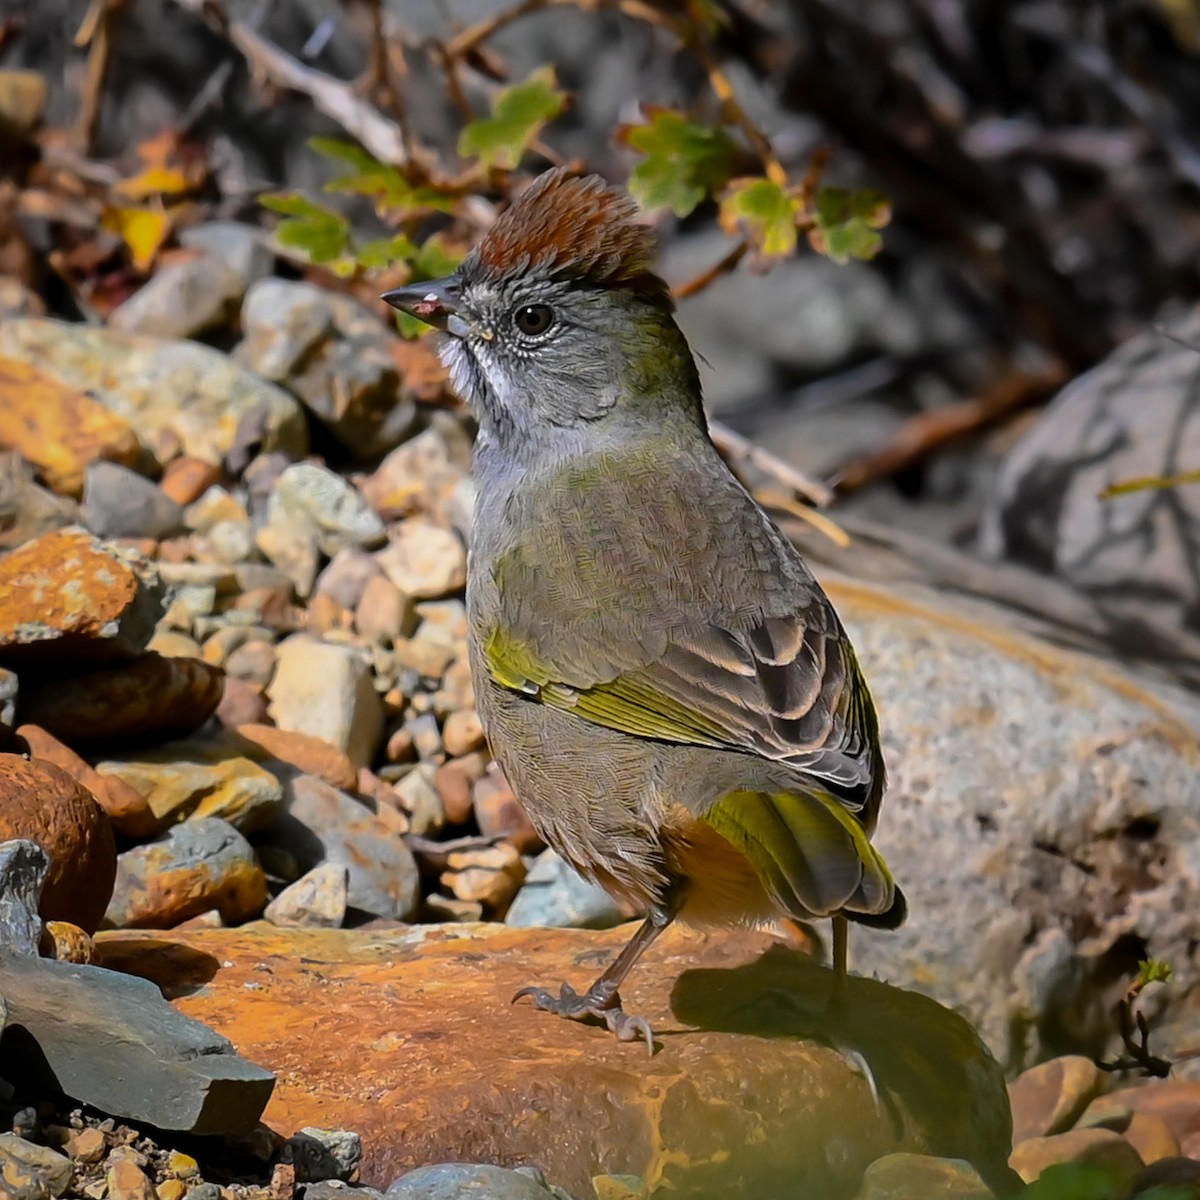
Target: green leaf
[
  {"x": 431, "y": 261},
  {"x": 683, "y": 161},
  {"x": 1075, "y": 1181},
  {"x": 1146, "y": 483},
  {"x": 371, "y": 177},
  {"x": 386, "y": 252},
  {"x": 324, "y": 235},
  {"x": 765, "y": 211},
  {"x": 1153, "y": 971},
  {"x": 518, "y": 116},
  {"x": 848, "y": 223}
]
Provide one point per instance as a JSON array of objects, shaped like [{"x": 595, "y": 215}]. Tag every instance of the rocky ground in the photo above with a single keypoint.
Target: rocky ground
[{"x": 237, "y": 718}]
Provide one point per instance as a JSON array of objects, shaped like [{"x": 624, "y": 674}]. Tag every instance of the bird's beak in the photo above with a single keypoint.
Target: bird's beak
[{"x": 434, "y": 301}]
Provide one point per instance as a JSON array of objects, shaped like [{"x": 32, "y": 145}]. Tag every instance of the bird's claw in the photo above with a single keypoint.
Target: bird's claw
[{"x": 588, "y": 1007}]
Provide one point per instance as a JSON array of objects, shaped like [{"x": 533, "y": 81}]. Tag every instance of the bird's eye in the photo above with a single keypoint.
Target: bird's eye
[{"x": 534, "y": 318}]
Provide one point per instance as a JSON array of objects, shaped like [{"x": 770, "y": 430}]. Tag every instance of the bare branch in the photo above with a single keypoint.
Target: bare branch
[{"x": 738, "y": 450}]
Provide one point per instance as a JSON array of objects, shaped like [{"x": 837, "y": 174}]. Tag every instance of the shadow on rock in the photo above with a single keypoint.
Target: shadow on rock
[{"x": 178, "y": 969}]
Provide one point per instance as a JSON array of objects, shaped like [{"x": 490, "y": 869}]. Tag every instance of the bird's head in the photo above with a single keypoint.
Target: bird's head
[{"x": 557, "y": 319}]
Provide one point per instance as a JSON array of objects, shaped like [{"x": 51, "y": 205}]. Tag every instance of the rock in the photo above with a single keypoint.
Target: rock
[
  {"x": 178, "y": 389},
  {"x": 40, "y": 1161},
  {"x": 254, "y": 662},
  {"x": 66, "y": 942},
  {"x": 1031, "y": 790},
  {"x": 325, "y": 690},
  {"x": 241, "y": 248},
  {"x": 335, "y": 355},
  {"x": 453, "y": 782},
  {"x": 183, "y": 298},
  {"x": 322, "y": 824},
  {"x": 119, "y": 503},
  {"x": 1133, "y": 415},
  {"x": 59, "y": 429},
  {"x": 312, "y": 755},
  {"x": 317, "y": 898},
  {"x": 186, "y": 479},
  {"x": 292, "y": 546},
  {"x": 499, "y": 813},
  {"x": 1050, "y": 1097},
  {"x": 242, "y": 704},
  {"x": 466, "y": 1181},
  {"x": 150, "y": 695},
  {"x": 9, "y": 686},
  {"x": 314, "y": 497},
  {"x": 1175, "y": 1101},
  {"x": 1095, "y": 1147},
  {"x": 424, "y": 560},
  {"x": 419, "y": 797},
  {"x": 1151, "y": 1137},
  {"x": 66, "y": 597},
  {"x": 463, "y": 732},
  {"x": 195, "y": 867},
  {"x": 199, "y": 777},
  {"x": 919, "y": 1177},
  {"x": 619, "y": 1187},
  {"x": 26, "y": 510},
  {"x": 320, "y": 1154},
  {"x": 384, "y": 612},
  {"x": 489, "y": 874},
  {"x": 737, "y": 1100},
  {"x": 24, "y": 866},
  {"x": 170, "y": 644},
  {"x": 42, "y": 803},
  {"x": 127, "y": 1181},
  {"x": 1168, "y": 1179},
  {"x": 347, "y": 575},
  {"x": 87, "y": 1146},
  {"x": 420, "y": 475},
  {"x": 111, "y": 1041},
  {"x": 555, "y": 894}
]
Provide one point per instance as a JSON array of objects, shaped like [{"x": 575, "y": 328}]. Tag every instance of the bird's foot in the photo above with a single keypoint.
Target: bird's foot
[{"x": 591, "y": 1006}]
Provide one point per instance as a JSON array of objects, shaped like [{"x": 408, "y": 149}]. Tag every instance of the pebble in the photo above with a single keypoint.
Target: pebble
[
  {"x": 291, "y": 544},
  {"x": 127, "y": 1181},
  {"x": 87, "y": 1146},
  {"x": 319, "y": 823},
  {"x": 327, "y": 691},
  {"x": 67, "y": 943},
  {"x": 10, "y": 684},
  {"x": 462, "y": 732},
  {"x": 202, "y": 864},
  {"x": 490, "y": 874},
  {"x": 182, "y": 299},
  {"x": 199, "y": 777},
  {"x": 254, "y": 662},
  {"x": 466, "y": 1181},
  {"x": 1151, "y": 1137},
  {"x": 312, "y": 496},
  {"x": 425, "y": 561},
  {"x": 318, "y": 898},
  {"x": 620, "y": 1187},
  {"x": 499, "y": 813},
  {"x": 418, "y": 476},
  {"x": 243, "y": 703},
  {"x": 907, "y": 1176},
  {"x": 418, "y": 795},
  {"x": 187, "y": 479},
  {"x": 454, "y": 781},
  {"x": 150, "y": 695},
  {"x": 312, "y": 755},
  {"x": 384, "y": 612},
  {"x": 67, "y": 597},
  {"x": 1050, "y": 1097},
  {"x": 241, "y": 248},
  {"x": 41, "y": 802},
  {"x": 347, "y": 575},
  {"x": 27, "y": 1159},
  {"x": 120, "y": 503},
  {"x": 23, "y": 869},
  {"x": 555, "y": 895},
  {"x": 320, "y": 1154},
  {"x": 1096, "y": 1147},
  {"x": 170, "y": 643}
]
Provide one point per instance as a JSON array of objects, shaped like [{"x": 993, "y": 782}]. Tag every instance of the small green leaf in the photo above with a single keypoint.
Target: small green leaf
[
  {"x": 765, "y": 211},
  {"x": 386, "y": 252},
  {"x": 1153, "y": 971},
  {"x": 518, "y": 116},
  {"x": 324, "y": 235},
  {"x": 683, "y": 161},
  {"x": 1147, "y": 483},
  {"x": 431, "y": 261},
  {"x": 371, "y": 177},
  {"x": 848, "y": 223}
]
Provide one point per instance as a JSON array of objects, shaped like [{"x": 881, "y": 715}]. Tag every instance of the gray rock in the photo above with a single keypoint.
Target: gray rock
[
  {"x": 335, "y": 355},
  {"x": 312, "y": 495},
  {"x": 317, "y": 899},
  {"x": 346, "y": 577},
  {"x": 182, "y": 299},
  {"x": 241, "y": 248},
  {"x": 467, "y": 1181},
  {"x": 322, "y": 824},
  {"x": 47, "y": 1165},
  {"x": 1137, "y": 414},
  {"x": 333, "y": 1189},
  {"x": 9, "y": 682},
  {"x": 118, "y": 502},
  {"x": 320, "y": 1154},
  {"x": 326, "y": 690},
  {"x": 555, "y": 894},
  {"x": 110, "y": 1040},
  {"x": 26, "y": 509},
  {"x": 163, "y": 388},
  {"x": 23, "y": 869}
]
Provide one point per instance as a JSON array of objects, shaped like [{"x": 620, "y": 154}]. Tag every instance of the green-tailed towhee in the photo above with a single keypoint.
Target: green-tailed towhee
[{"x": 665, "y": 684}]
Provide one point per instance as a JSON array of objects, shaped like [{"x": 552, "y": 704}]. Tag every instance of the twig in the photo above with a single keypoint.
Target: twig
[
  {"x": 96, "y": 33},
  {"x": 706, "y": 277},
  {"x": 1137, "y": 1050},
  {"x": 922, "y": 435},
  {"x": 738, "y": 450},
  {"x": 469, "y": 39}
]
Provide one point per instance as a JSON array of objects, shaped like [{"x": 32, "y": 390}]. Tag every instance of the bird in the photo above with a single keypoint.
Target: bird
[{"x": 663, "y": 681}]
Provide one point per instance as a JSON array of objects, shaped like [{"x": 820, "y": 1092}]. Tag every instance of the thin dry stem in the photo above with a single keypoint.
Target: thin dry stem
[
  {"x": 96, "y": 32},
  {"x": 706, "y": 277},
  {"x": 738, "y": 449}
]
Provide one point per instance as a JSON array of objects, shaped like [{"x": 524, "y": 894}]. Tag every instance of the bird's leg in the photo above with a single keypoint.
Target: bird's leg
[
  {"x": 602, "y": 1001},
  {"x": 837, "y": 1007},
  {"x": 841, "y": 974}
]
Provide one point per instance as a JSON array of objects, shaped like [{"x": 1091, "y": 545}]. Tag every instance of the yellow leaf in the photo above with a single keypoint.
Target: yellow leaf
[
  {"x": 153, "y": 181},
  {"x": 143, "y": 230}
]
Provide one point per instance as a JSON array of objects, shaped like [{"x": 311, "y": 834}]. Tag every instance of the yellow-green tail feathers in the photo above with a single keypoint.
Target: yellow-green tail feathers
[{"x": 812, "y": 855}]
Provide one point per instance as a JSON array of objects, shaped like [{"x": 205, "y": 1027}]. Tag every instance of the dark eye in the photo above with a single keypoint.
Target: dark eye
[{"x": 534, "y": 318}]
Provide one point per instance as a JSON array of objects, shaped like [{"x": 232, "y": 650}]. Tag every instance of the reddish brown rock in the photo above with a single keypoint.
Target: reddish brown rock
[
  {"x": 1175, "y": 1101},
  {"x": 1096, "y": 1147},
  {"x": 242, "y": 703},
  {"x": 152, "y": 694},
  {"x": 187, "y": 479},
  {"x": 500, "y": 815},
  {"x": 126, "y": 808},
  {"x": 737, "y": 1100},
  {"x": 41, "y": 802},
  {"x": 1151, "y": 1137},
  {"x": 307, "y": 753},
  {"x": 454, "y": 781},
  {"x": 66, "y": 942},
  {"x": 66, "y": 597},
  {"x": 1050, "y": 1097}
]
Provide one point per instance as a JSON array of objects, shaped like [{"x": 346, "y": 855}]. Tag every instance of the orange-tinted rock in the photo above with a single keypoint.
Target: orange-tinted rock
[
  {"x": 1151, "y": 1137},
  {"x": 500, "y": 815},
  {"x": 454, "y": 781},
  {"x": 1050, "y": 1097},
  {"x": 58, "y": 428},
  {"x": 150, "y": 695},
  {"x": 66, "y": 597},
  {"x": 737, "y": 1099},
  {"x": 187, "y": 479},
  {"x": 41, "y": 802},
  {"x": 1095, "y": 1147},
  {"x": 1176, "y": 1101},
  {"x": 126, "y": 808},
  {"x": 66, "y": 942},
  {"x": 242, "y": 703},
  {"x": 311, "y": 754},
  {"x": 921, "y": 1177}
]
